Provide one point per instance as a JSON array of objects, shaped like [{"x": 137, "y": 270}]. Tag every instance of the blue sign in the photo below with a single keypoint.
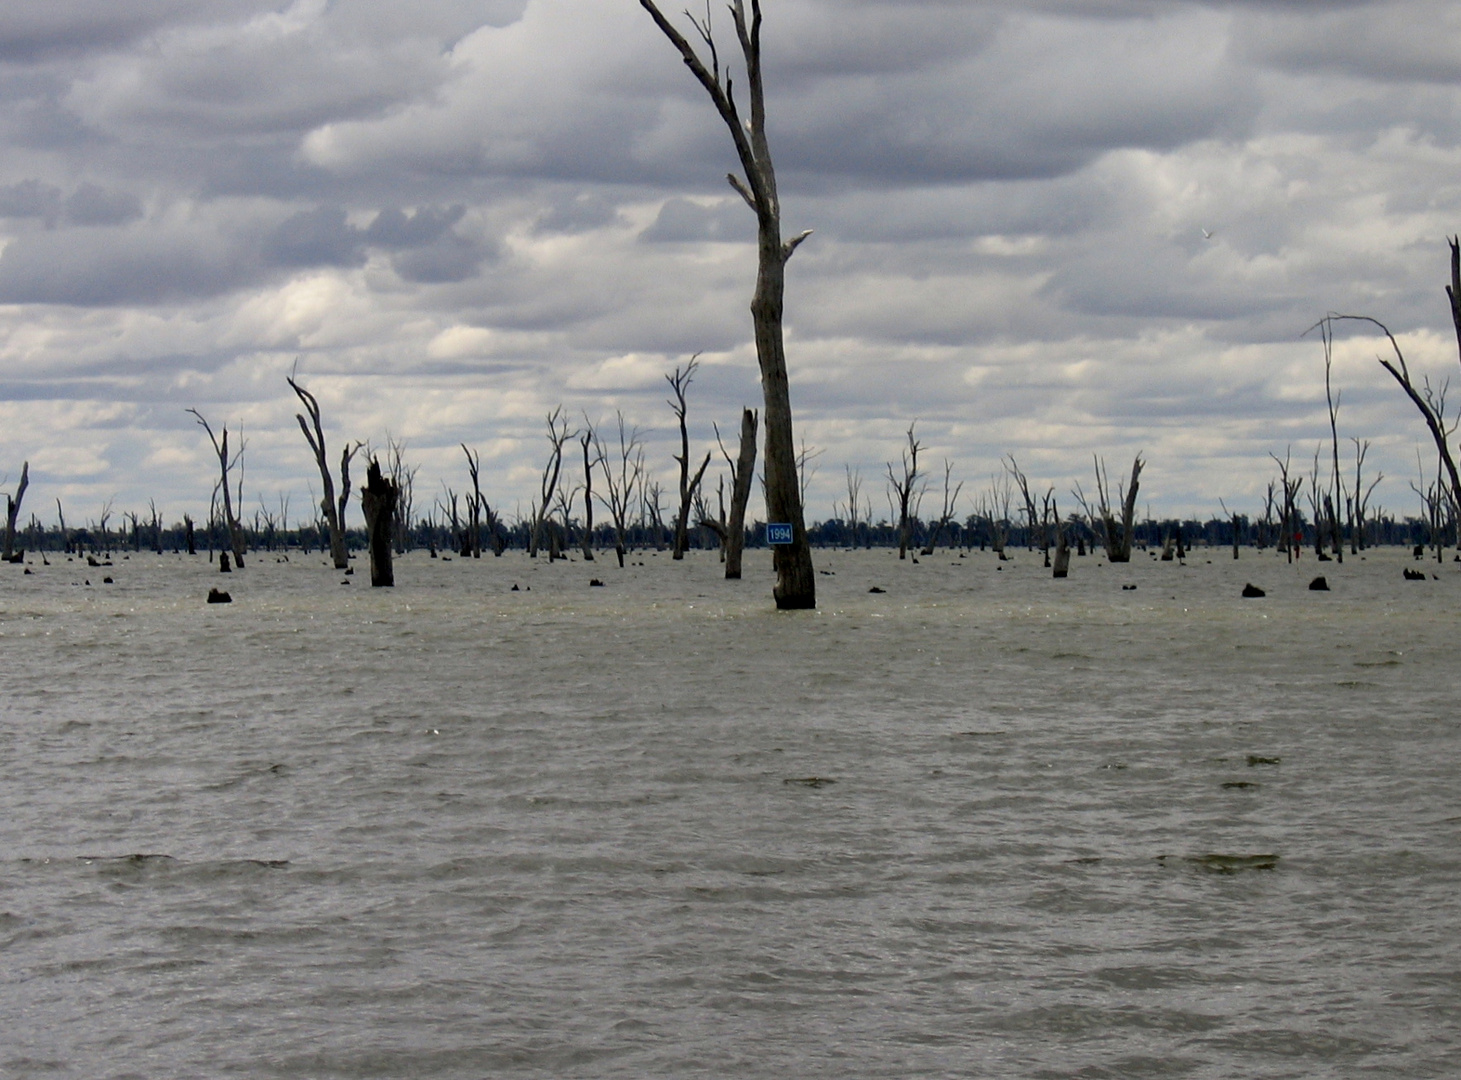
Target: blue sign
[{"x": 778, "y": 534}]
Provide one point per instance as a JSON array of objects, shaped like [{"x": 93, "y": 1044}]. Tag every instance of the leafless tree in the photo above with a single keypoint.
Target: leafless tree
[
  {"x": 946, "y": 515},
  {"x": 796, "y": 582},
  {"x": 1062, "y": 540},
  {"x": 589, "y": 440},
  {"x": 994, "y": 509},
  {"x": 226, "y": 464},
  {"x": 851, "y": 510},
  {"x": 403, "y": 476},
  {"x": 1037, "y": 531},
  {"x": 1429, "y": 401},
  {"x": 65, "y": 532},
  {"x": 903, "y": 489},
  {"x": 652, "y": 496},
  {"x": 679, "y": 384},
  {"x": 1116, "y": 536},
  {"x": 1361, "y": 500},
  {"x": 12, "y": 511},
  {"x": 558, "y": 434},
  {"x": 1237, "y": 527},
  {"x": 333, "y": 509},
  {"x": 378, "y": 501},
  {"x": 622, "y": 478},
  {"x": 742, "y": 471},
  {"x": 1289, "y": 529}
]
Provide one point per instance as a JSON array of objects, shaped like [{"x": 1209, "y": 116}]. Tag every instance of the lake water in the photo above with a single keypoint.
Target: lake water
[{"x": 982, "y": 824}]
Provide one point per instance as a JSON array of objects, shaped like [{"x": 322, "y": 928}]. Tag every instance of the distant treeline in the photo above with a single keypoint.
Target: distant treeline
[{"x": 975, "y": 532}]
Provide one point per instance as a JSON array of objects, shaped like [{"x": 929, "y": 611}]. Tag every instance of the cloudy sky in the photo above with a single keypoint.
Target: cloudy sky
[{"x": 453, "y": 215}]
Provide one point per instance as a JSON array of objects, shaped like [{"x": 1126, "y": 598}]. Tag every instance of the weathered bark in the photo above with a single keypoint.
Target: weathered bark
[
  {"x": 334, "y": 510},
  {"x": 378, "y": 501},
  {"x": 796, "y": 581},
  {"x": 742, "y": 473},
  {"x": 12, "y": 511}
]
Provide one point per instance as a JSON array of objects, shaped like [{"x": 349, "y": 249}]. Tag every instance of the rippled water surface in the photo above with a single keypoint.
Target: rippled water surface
[{"x": 981, "y": 824}]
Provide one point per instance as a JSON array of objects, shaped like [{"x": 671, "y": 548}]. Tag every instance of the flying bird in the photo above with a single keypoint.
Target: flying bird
[{"x": 1206, "y": 235}]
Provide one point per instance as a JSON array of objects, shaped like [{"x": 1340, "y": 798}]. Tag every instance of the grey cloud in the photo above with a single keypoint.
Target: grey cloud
[
  {"x": 681, "y": 220},
  {"x": 318, "y": 237},
  {"x": 30, "y": 199},
  {"x": 1387, "y": 42},
  {"x": 31, "y": 32},
  {"x": 447, "y": 258},
  {"x": 105, "y": 267},
  {"x": 393, "y": 228},
  {"x": 577, "y": 212},
  {"x": 93, "y": 205}
]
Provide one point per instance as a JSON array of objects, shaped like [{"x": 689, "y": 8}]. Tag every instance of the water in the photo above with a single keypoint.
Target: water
[{"x": 984, "y": 824}]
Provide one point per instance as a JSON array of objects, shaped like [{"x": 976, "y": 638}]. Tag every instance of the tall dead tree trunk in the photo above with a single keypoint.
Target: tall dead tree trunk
[
  {"x": 226, "y": 463},
  {"x": 679, "y": 384},
  {"x": 588, "y": 439},
  {"x": 743, "y": 471},
  {"x": 378, "y": 500},
  {"x": 796, "y": 581},
  {"x": 333, "y": 509},
  {"x": 12, "y": 511}
]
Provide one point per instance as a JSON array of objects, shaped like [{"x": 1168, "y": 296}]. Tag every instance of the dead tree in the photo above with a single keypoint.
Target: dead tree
[
  {"x": 995, "y": 510},
  {"x": 558, "y": 434},
  {"x": 403, "y": 476},
  {"x": 1037, "y": 531},
  {"x": 12, "y": 511},
  {"x": 1290, "y": 529},
  {"x": 378, "y": 501},
  {"x": 743, "y": 471},
  {"x": 621, "y": 480},
  {"x": 333, "y": 509},
  {"x": 851, "y": 510},
  {"x": 1429, "y": 401},
  {"x": 902, "y": 489},
  {"x": 1237, "y": 528},
  {"x": 652, "y": 511},
  {"x": 226, "y": 464},
  {"x": 1361, "y": 499},
  {"x": 588, "y": 439},
  {"x": 1116, "y": 536},
  {"x": 65, "y": 532},
  {"x": 796, "y": 581},
  {"x": 951, "y": 497},
  {"x": 679, "y": 383},
  {"x": 1062, "y": 540}
]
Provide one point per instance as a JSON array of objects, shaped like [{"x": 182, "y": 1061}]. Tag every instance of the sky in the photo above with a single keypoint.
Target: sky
[{"x": 1057, "y": 230}]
